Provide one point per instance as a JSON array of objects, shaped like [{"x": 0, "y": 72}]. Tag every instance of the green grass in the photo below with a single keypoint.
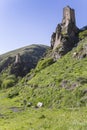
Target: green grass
[
  {"x": 82, "y": 34},
  {"x": 63, "y": 83},
  {"x": 43, "y": 118},
  {"x": 60, "y": 86}
]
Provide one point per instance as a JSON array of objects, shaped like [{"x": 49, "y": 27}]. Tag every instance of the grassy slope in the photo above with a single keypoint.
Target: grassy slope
[
  {"x": 63, "y": 83},
  {"x": 43, "y": 119},
  {"x": 60, "y": 85}
]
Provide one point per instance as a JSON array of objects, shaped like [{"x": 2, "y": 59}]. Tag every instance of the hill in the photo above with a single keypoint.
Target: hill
[
  {"x": 22, "y": 60},
  {"x": 59, "y": 84},
  {"x": 62, "y": 88}
]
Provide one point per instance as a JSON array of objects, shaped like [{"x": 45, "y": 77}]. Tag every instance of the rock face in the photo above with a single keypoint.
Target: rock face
[
  {"x": 17, "y": 67},
  {"x": 18, "y": 58},
  {"x": 65, "y": 36}
]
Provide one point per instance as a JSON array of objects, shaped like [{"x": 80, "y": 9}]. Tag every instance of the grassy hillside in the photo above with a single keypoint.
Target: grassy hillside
[
  {"x": 62, "y": 88},
  {"x": 63, "y": 83},
  {"x": 20, "y": 118},
  {"x": 57, "y": 85},
  {"x": 26, "y": 49}
]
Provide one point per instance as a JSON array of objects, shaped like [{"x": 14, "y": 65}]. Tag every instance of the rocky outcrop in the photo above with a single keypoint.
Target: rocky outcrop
[
  {"x": 65, "y": 36},
  {"x": 18, "y": 58},
  {"x": 81, "y": 52},
  {"x": 17, "y": 67}
]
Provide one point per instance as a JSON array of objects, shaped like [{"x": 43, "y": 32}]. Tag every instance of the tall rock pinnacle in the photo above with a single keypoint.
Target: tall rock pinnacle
[{"x": 64, "y": 38}]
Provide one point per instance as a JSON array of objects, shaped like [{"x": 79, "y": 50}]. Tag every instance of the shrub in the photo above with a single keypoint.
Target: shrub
[
  {"x": 82, "y": 34},
  {"x": 11, "y": 77},
  {"x": 13, "y": 93},
  {"x": 44, "y": 63},
  {"x": 7, "y": 83}
]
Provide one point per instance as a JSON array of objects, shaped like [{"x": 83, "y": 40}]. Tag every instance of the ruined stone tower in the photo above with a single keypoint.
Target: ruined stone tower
[
  {"x": 68, "y": 16},
  {"x": 65, "y": 33}
]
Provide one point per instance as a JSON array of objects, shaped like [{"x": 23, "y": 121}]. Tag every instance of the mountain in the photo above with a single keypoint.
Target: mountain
[{"x": 22, "y": 60}]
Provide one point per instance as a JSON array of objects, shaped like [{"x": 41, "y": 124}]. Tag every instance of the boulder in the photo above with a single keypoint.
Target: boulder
[{"x": 39, "y": 104}]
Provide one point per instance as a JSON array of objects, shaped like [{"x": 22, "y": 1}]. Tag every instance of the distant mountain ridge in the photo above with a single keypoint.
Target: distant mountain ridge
[{"x": 29, "y": 56}]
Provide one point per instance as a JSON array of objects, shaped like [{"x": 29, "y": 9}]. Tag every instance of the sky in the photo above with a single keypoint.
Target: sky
[{"x": 26, "y": 22}]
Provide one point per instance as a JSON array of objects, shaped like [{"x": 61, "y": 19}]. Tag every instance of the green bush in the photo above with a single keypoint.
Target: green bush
[
  {"x": 44, "y": 63},
  {"x": 7, "y": 83},
  {"x": 13, "y": 93},
  {"x": 82, "y": 34},
  {"x": 11, "y": 77}
]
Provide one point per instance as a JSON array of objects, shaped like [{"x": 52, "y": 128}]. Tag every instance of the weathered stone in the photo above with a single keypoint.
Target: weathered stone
[
  {"x": 53, "y": 40},
  {"x": 75, "y": 54},
  {"x": 39, "y": 104},
  {"x": 82, "y": 53},
  {"x": 66, "y": 33},
  {"x": 18, "y": 58}
]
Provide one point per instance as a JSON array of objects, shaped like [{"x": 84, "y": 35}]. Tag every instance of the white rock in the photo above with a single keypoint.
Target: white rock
[
  {"x": 39, "y": 104},
  {"x": 75, "y": 54}
]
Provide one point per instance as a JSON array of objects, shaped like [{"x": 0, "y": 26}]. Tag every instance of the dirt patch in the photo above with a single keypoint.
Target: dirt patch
[{"x": 16, "y": 109}]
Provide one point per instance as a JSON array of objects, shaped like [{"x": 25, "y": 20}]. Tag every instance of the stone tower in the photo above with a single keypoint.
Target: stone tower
[
  {"x": 66, "y": 31},
  {"x": 68, "y": 16}
]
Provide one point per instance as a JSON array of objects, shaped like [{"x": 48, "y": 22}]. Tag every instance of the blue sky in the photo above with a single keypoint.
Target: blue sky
[{"x": 25, "y": 22}]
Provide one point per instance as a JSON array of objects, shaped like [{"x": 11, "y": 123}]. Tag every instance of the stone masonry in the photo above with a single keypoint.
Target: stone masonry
[{"x": 64, "y": 36}]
